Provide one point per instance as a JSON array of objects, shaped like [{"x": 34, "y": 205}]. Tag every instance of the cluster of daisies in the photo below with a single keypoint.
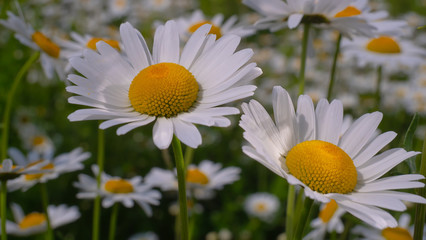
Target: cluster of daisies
[{"x": 191, "y": 76}]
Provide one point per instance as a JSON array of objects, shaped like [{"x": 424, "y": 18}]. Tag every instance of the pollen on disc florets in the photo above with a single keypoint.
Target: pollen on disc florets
[
  {"x": 213, "y": 30},
  {"x": 163, "y": 90},
  {"x": 196, "y": 176},
  {"x": 322, "y": 166},
  {"x": 46, "y": 44},
  {"x": 118, "y": 186},
  {"x": 383, "y": 44},
  {"x": 397, "y": 233}
]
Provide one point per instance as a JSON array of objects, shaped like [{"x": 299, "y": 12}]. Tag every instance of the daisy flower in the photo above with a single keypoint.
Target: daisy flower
[
  {"x": 63, "y": 163},
  {"x": 10, "y": 171},
  {"x": 188, "y": 25},
  {"x": 305, "y": 148},
  {"x": 118, "y": 190},
  {"x": 144, "y": 236},
  {"x": 174, "y": 90},
  {"x": 335, "y": 14},
  {"x": 327, "y": 221},
  {"x": 202, "y": 180},
  {"x": 35, "y": 222},
  {"x": 262, "y": 205},
  {"x": 50, "y": 52}
]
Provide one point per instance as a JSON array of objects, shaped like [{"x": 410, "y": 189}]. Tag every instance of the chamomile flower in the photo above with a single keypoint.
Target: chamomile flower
[
  {"x": 144, "y": 236},
  {"x": 10, "y": 171},
  {"x": 334, "y": 14},
  {"x": 188, "y": 25},
  {"x": 53, "y": 167},
  {"x": 262, "y": 205},
  {"x": 174, "y": 90},
  {"x": 327, "y": 221},
  {"x": 35, "y": 222},
  {"x": 50, "y": 52},
  {"x": 307, "y": 149},
  {"x": 118, "y": 190}
]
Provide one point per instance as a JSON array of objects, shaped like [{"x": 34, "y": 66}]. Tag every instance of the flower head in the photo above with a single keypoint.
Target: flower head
[{"x": 262, "y": 205}]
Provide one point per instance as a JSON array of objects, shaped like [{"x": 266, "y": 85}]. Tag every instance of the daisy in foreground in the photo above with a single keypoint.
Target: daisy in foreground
[
  {"x": 35, "y": 222},
  {"x": 176, "y": 90},
  {"x": 305, "y": 148}
]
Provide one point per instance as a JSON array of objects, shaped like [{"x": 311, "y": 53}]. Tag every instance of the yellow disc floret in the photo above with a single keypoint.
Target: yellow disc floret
[
  {"x": 348, "y": 12},
  {"x": 322, "y": 166},
  {"x": 32, "y": 220},
  {"x": 328, "y": 211},
  {"x": 163, "y": 90},
  {"x": 36, "y": 176},
  {"x": 92, "y": 43},
  {"x": 383, "y": 44},
  {"x": 46, "y": 44},
  {"x": 397, "y": 233},
  {"x": 213, "y": 30},
  {"x": 196, "y": 176},
  {"x": 118, "y": 186},
  {"x": 260, "y": 207}
]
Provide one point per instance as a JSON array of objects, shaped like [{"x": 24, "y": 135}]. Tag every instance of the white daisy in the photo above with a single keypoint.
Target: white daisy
[
  {"x": 188, "y": 25},
  {"x": 262, "y": 205},
  {"x": 10, "y": 171},
  {"x": 36, "y": 140},
  {"x": 174, "y": 90},
  {"x": 35, "y": 222},
  {"x": 144, "y": 236},
  {"x": 118, "y": 190},
  {"x": 63, "y": 163},
  {"x": 305, "y": 148},
  {"x": 50, "y": 52},
  {"x": 334, "y": 14}
]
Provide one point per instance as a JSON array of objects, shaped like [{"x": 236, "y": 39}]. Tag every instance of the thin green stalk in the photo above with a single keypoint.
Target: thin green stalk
[
  {"x": 189, "y": 154},
  {"x": 303, "y": 58},
  {"x": 4, "y": 8},
  {"x": 97, "y": 203},
  {"x": 348, "y": 226},
  {"x": 9, "y": 102},
  {"x": 113, "y": 221},
  {"x": 45, "y": 200},
  {"x": 334, "y": 67},
  {"x": 304, "y": 217},
  {"x": 3, "y": 195},
  {"x": 180, "y": 167},
  {"x": 290, "y": 211},
  {"x": 419, "y": 218},
  {"x": 377, "y": 95}
]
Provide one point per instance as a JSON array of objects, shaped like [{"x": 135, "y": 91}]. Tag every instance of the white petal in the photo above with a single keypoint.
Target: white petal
[
  {"x": 162, "y": 133},
  {"x": 187, "y": 133},
  {"x": 126, "y": 128},
  {"x": 135, "y": 47},
  {"x": 294, "y": 20}
]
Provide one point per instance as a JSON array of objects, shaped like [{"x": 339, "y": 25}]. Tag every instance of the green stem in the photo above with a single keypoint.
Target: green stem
[
  {"x": 290, "y": 212},
  {"x": 333, "y": 68},
  {"x": 303, "y": 58},
  {"x": 6, "y": 4},
  {"x": 348, "y": 226},
  {"x": 9, "y": 101},
  {"x": 3, "y": 198},
  {"x": 377, "y": 95},
  {"x": 113, "y": 221},
  {"x": 97, "y": 203},
  {"x": 189, "y": 154},
  {"x": 304, "y": 217},
  {"x": 180, "y": 167},
  {"x": 45, "y": 200},
  {"x": 419, "y": 218}
]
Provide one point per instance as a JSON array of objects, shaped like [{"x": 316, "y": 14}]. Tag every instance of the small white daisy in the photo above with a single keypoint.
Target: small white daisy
[
  {"x": 262, "y": 205},
  {"x": 51, "y": 58},
  {"x": 35, "y": 222},
  {"x": 144, "y": 236},
  {"x": 10, "y": 171},
  {"x": 118, "y": 190},
  {"x": 34, "y": 139},
  {"x": 306, "y": 148},
  {"x": 53, "y": 167},
  {"x": 176, "y": 90},
  {"x": 188, "y": 25},
  {"x": 334, "y": 14}
]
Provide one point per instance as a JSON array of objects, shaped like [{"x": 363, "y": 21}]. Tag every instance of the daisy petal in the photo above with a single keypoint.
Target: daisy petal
[{"x": 162, "y": 133}]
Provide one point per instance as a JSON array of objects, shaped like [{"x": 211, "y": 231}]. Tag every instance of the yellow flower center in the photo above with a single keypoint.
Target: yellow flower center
[
  {"x": 118, "y": 186},
  {"x": 397, "y": 233},
  {"x": 214, "y": 30},
  {"x": 196, "y": 176},
  {"x": 92, "y": 43},
  {"x": 32, "y": 219},
  {"x": 163, "y": 90},
  {"x": 35, "y": 176},
  {"x": 348, "y": 12},
  {"x": 328, "y": 211},
  {"x": 38, "y": 140},
  {"x": 322, "y": 166},
  {"x": 260, "y": 207},
  {"x": 383, "y": 44},
  {"x": 46, "y": 44}
]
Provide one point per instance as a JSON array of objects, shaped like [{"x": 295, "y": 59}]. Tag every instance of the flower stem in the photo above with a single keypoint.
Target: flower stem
[
  {"x": 113, "y": 221},
  {"x": 304, "y": 217},
  {"x": 420, "y": 208},
  {"x": 334, "y": 67},
  {"x": 97, "y": 203},
  {"x": 290, "y": 212},
  {"x": 377, "y": 95},
  {"x": 9, "y": 101},
  {"x": 303, "y": 58},
  {"x": 6, "y": 4},
  {"x": 180, "y": 167},
  {"x": 45, "y": 199},
  {"x": 3, "y": 195},
  {"x": 189, "y": 154}
]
